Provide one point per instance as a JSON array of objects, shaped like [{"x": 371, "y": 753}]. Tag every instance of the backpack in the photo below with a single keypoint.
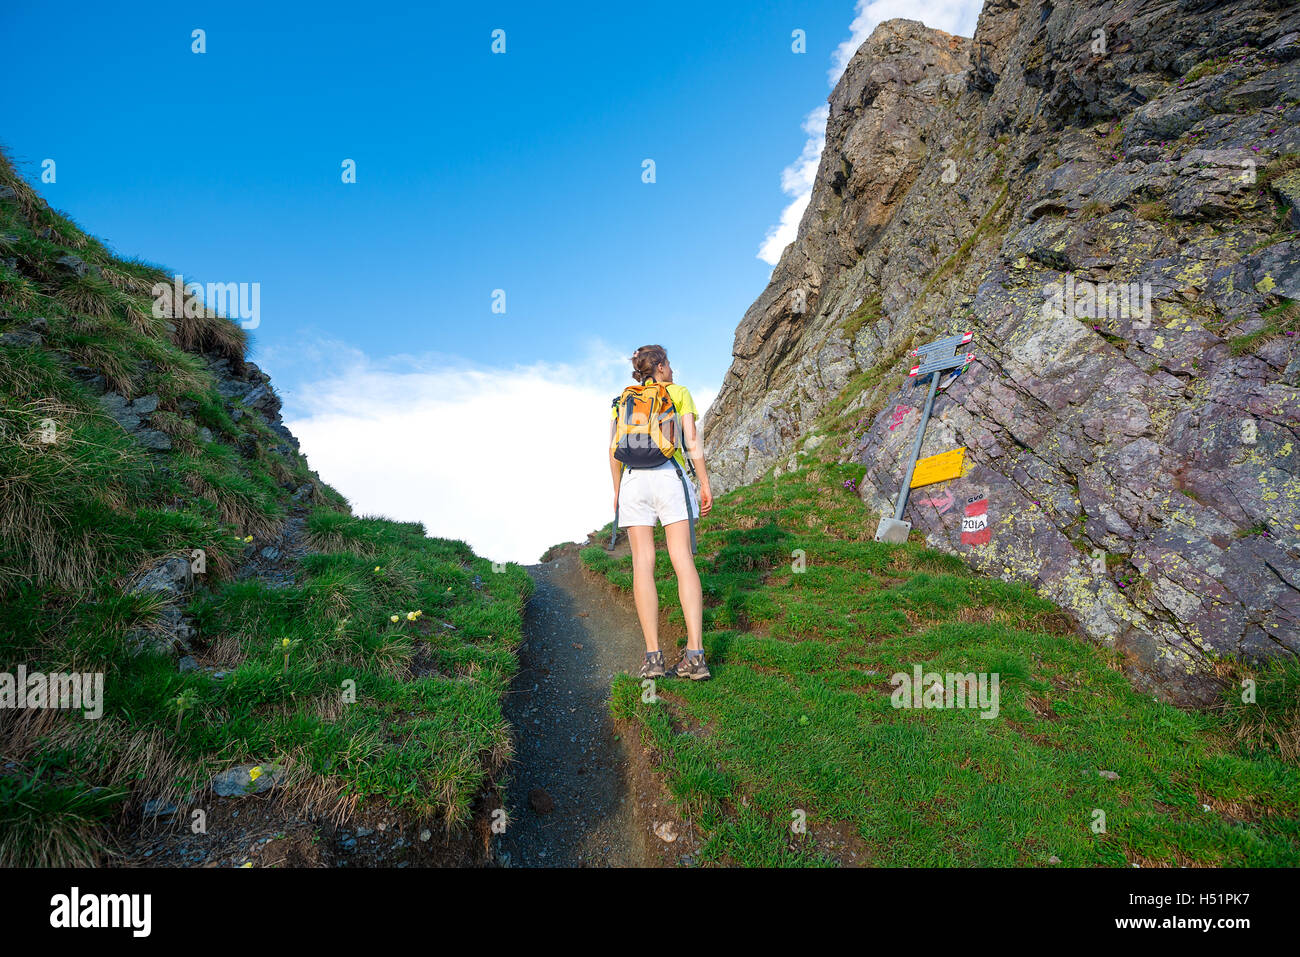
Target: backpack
[{"x": 646, "y": 435}]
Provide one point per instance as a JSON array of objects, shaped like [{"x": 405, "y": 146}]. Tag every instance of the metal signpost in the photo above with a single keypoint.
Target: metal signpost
[{"x": 935, "y": 358}]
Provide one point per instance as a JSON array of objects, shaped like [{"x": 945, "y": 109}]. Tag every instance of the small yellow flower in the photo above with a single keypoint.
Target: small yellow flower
[
  {"x": 246, "y": 864},
  {"x": 254, "y": 773},
  {"x": 418, "y": 613},
  {"x": 376, "y": 568},
  {"x": 410, "y": 616},
  {"x": 284, "y": 642},
  {"x": 248, "y": 539},
  {"x": 393, "y": 618}
]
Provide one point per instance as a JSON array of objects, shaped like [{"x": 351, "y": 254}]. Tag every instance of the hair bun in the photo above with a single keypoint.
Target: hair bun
[{"x": 645, "y": 360}]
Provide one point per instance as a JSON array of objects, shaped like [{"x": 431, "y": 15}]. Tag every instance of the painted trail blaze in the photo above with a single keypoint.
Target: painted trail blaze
[{"x": 975, "y": 523}]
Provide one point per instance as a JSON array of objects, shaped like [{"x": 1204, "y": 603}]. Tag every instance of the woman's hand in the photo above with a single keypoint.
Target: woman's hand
[{"x": 706, "y": 499}]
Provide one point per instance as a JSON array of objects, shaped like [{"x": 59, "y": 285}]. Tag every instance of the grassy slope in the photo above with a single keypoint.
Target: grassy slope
[
  {"x": 798, "y": 716},
  {"x": 80, "y": 515}
]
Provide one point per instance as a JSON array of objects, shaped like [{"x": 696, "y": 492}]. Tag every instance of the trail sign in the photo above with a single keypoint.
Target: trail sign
[
  {"x": 941, "y": 354},
  {"x": 934, "y": 358},
  {"x": 939, "y": 468}
]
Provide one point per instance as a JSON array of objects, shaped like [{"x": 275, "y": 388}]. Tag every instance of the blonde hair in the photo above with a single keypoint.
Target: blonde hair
[{"x": 645, "y": 360}]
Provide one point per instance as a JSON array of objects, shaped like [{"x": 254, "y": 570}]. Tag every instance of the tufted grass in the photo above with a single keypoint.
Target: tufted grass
[
  {"x": 799, "y": 723},
  {"x": 314, "y": 677}
]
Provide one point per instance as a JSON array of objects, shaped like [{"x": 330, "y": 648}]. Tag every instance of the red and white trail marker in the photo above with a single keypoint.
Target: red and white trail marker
[{"x": 975, "y": 523}]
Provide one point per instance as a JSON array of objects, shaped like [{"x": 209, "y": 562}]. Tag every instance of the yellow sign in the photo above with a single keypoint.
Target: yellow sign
[{"x": 939, "y": 468}]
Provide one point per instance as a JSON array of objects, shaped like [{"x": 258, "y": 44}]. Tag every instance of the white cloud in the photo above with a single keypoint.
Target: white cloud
[
  {"x": 797, "y": 181},
  {"x": 952, "y": 16},
  {"x": 703, "y": 399},
  {"x": 511, "y": 460}
]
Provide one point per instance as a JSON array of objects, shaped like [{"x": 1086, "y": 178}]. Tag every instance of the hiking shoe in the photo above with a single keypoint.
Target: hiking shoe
[
  {"x": 693, "y": 667},
  {"x": 652, "y": 666}
]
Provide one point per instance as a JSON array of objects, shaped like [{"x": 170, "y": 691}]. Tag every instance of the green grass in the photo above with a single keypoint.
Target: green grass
[
  {"x": 836, "y": 413},
  {"x": 869, "y": 311},
  {"x": 33, "y": 806},
  {"x": 420, "y": 730},
  {"x": 1278, "y": 168},
  {"x": 1282, "y": 319},
  {"x": 799, "y": 715},
  {"x": 1157, "y": 211},
  {"x": 317, "y": 679},
  {"x": 1207, "y": 68},
  {"x": 987, "y": 225}
]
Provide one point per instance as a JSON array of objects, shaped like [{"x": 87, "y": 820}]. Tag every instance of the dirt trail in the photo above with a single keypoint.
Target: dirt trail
[{"x": 579, "y": 795}]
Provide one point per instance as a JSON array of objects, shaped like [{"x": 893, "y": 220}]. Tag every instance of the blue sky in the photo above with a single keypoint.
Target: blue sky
[{"x": 476, "y": 172}]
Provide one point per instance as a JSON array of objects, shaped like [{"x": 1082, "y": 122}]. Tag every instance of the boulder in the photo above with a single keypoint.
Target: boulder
[
  {"x": 168, "y": 577},
  {"x": 245, "y": 779}
]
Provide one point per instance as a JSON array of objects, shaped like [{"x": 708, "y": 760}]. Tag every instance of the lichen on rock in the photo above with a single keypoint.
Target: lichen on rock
[{"x": 1137, "y": 449}]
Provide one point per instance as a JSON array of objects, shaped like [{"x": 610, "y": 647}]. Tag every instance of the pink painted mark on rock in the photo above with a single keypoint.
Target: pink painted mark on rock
[
  {"x": 900, "y": 413},
  {"x": 940, "y": 504}
]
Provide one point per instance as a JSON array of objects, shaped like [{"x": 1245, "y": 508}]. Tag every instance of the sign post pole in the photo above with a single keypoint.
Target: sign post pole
[
  {"x": 935, "y": 358},
  {"x": 904, "y": 492}
]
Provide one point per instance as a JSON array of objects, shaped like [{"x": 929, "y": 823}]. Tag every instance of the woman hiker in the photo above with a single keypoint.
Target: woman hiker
[{"x": 662, "y": 492}]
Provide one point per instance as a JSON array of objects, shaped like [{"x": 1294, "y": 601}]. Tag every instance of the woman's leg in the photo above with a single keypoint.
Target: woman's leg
[
  {"x": 678, "y": 535},
  {"x": 642, "y": 540}
]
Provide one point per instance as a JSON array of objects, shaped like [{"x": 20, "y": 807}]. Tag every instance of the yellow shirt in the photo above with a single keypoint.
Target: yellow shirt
[{"x": 681, "y": 397}]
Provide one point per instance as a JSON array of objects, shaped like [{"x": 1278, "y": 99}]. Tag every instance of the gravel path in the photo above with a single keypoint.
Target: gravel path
[{"x": 571, "y": 798}]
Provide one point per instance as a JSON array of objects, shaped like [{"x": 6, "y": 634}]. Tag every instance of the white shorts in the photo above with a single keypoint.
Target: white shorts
[{"x": 649, "y": 494}]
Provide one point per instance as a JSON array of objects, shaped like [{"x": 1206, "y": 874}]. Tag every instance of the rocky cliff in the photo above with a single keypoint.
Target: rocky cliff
[{"x": 1106, "y": 194}]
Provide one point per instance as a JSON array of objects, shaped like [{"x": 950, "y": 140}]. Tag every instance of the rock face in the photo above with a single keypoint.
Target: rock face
[
  {"x": 1102, "y": 193},
  {"x": 243, "y": 389},
  {"x": 170, "y": 580}
]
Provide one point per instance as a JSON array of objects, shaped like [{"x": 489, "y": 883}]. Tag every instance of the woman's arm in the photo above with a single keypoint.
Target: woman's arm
[{"x": 695, "y": 449}]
